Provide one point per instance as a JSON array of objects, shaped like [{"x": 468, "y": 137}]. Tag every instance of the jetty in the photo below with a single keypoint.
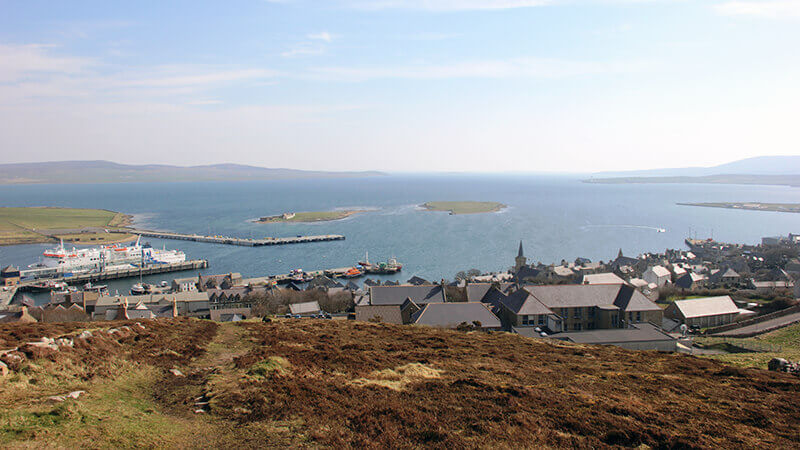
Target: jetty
[
  {"x": 227, "y": 240},
  {"x": 109, "y": 274}
]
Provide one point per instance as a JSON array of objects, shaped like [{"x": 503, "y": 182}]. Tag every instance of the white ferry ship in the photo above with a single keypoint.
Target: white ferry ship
[{"x": 63, "y": 260}]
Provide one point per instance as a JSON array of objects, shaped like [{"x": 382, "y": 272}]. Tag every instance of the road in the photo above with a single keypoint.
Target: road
[{"x": 762, "y": 327}]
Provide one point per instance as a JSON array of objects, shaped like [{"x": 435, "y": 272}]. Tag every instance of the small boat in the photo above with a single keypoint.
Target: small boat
[
  {"x": 140, "y": 288},
  {"x": 383, "y": 268},
  {"x": 661, "y": 230},
  {"x": 353, "y": 272}
]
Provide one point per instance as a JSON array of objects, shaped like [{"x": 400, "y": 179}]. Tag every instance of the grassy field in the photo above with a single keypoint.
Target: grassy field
[
  {"x": 788, "y": 339},
  {"x": 311, "y": 216},
  {"x": 464, "y": 207},
  {"x": 751, "y": 206},
  {"x": 39, "y": 224},
  {"x": 313, "y": 383}
]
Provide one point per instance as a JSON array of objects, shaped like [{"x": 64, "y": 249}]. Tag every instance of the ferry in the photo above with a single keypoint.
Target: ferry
[{"x": 62, "y": 261}]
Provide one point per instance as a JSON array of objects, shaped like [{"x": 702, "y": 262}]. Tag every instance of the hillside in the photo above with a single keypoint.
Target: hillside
[
  {"x": 327, "y": 383},
  {"x": 70, "y": 172},
  {"x": 759, "y": 165}
]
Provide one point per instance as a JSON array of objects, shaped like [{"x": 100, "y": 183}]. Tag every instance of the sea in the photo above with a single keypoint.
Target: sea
[{"x": 556, "y": 217}]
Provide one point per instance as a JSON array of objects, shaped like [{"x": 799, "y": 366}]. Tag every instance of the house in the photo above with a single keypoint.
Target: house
[
  {"x": 477, "y": 292},
  {"x": 397, "y": 314},
  {"x": 678, "y": 271},
  {"x": 703, "y": 312},
  {"x": 193, "y": 304},
  {"x": 53, "y": 313},
  {"x": 184, "y": 284},
  {"x": 397, "y": 295},
  {"x": 638, "y": 283},
  {"x": 230, "y": 314},
  {"x": 641, "y": 336},
  {"x": 726, "y": 276},
  {"x": 766, "y": 286},
  {"x": 602, "y": 278},
  {"x": 417, "y": 281},
  {"x": 658, "y": 275},
  {"x": 578, "y": 307},
  {"x": 17, "y": 316},
  {"x": 323, "y": 283},
  {"x": 526, "y": 274},
  {"x": 451, "y": 315},
  {"x": 234, "y": 297},
  {"x": 9, "y": 276},
  {"x": 305, "y": 309},
  {"x": 690, "y": 280}
]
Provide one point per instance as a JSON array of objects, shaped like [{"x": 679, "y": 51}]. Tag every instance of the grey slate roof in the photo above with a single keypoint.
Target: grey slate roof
[
  {"x": 396, "y": 295},
  {"x": 387, "y": 313},
  {"x": 450, "y": 315},
  {"x": 641, "y": 332},
  {"x": 521, "y": 302},
  {"x": 304, "y": 308}
]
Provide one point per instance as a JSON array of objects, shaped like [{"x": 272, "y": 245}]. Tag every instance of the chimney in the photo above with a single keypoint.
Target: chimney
[{"x": 174, "y": 307}]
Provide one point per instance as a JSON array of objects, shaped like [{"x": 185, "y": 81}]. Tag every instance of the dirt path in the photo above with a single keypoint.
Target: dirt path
[{"x": 230, "y": 341}]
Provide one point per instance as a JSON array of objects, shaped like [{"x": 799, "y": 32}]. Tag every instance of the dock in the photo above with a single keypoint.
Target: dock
[
  {"x": 235, "y": 241},
  {"x": 116, "y": 274}
]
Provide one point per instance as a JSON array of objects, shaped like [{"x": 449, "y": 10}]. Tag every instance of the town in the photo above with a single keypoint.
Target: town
[{"x": 655, "y": 301}]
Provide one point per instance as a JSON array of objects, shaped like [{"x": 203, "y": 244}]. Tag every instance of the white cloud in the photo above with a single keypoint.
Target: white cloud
[
  {"x": 511, "y": 68},
  {"x": 22, "y": 61},
  {"x": 770, "y": 9},
  {"x": 322, "y": 36}
]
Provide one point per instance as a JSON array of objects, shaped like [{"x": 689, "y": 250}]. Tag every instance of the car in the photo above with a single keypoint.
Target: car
[
  {"x": 298, "y": 316},
  {"x": 288, "y": 315}
]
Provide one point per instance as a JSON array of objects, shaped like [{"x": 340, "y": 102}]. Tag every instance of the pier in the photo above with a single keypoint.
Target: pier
[
  {"x": 115, "y": 274},
  {"x": 236, "y": 241}
]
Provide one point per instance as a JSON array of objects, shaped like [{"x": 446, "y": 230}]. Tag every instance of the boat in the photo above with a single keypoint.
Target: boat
[
  {"x": 61, "y": 260},
  {"x": 140, "y": 289},
  {"x": 353, "y": 272},
  {"x": 661, "y": 230},
  {"x": 382, "y": 268}
]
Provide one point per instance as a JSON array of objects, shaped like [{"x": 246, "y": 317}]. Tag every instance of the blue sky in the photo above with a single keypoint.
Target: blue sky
[{"x": 401, "y": 85}]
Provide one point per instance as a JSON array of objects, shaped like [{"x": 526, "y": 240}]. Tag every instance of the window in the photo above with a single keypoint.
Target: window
[
  {"x": 577, "y": 327},
  {"x": 542, "y": 320},
  {"x": 614, "y": 320},
  {"x": 525, "y": 320},
  {"x": 638, "y": 316},
  {"x": 591, "y": 313},
  {"x": 578, "y": 313}
]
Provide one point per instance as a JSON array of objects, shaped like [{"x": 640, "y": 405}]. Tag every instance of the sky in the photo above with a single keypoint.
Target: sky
[{"x": 401, "y": 85}]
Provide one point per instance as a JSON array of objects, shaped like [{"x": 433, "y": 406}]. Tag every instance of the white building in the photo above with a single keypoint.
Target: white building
[{"x": 658, "y": 275}]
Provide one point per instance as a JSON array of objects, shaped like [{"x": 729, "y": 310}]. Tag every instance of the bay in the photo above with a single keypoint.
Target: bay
[{"x": 557, "y": 217}]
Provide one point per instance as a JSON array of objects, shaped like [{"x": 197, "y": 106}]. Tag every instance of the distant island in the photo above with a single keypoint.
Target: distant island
[
  {"x": 751, "y": 206},
  {"x": 310, "y": 216},
  {"x": 464, "y": 207},
  {"x": 35, "y": 225},
  {"x": 76, "y": 172},
  {"x": 770, "y": 180}
]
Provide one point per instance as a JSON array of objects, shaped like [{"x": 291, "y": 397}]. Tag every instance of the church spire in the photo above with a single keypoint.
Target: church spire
[
  {"x": 520, "y": 253},
  {"x": 620, "y": 254}
]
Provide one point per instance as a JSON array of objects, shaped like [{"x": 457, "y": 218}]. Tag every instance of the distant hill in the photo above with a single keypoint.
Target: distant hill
[
  {"x": 766, "y": 170},
  {"x": 70, "y": 172},
  {"x": 759, "y": 165}
]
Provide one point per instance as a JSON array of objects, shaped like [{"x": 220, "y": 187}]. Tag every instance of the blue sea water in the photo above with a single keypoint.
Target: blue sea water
[{"x": 557, "y": 217}]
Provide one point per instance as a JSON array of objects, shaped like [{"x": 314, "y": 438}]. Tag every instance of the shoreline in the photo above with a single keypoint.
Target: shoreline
[
  {"x": 341, "y": 215},
  {"x": 749, "y": 206}
]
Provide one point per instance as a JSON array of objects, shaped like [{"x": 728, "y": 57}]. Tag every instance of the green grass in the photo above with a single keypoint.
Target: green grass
[
  {"x": 29, "y": 225},
  {"x": 464, "y": 207},
  {"x": 115, "y": 412},
  {"x": 787, "y": 338},
  {"x": 273, "y": 364}
]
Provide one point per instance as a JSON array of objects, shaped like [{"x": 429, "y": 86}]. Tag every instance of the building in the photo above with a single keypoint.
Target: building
[
  {"x": 397, "y": 295},
  {"x": 305, "y": 309},
  {"x": 658, "y": 275},
  {"x": 9, "y": 276},
  {"x": 641, "y": 336},
  {"x": 703, "y": 312},
  {"x": 520, "y": 261},
  {"x": 578, "y": 307},
  {"x": 690, "y": 280},
  {"x": 192, "y": 304},
  {"x": 602, "y": 278},
  {"x": 453, "y": 315}
]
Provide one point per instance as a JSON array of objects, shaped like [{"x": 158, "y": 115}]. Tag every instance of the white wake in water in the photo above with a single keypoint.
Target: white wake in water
[{"x": 641, "y": 227}]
